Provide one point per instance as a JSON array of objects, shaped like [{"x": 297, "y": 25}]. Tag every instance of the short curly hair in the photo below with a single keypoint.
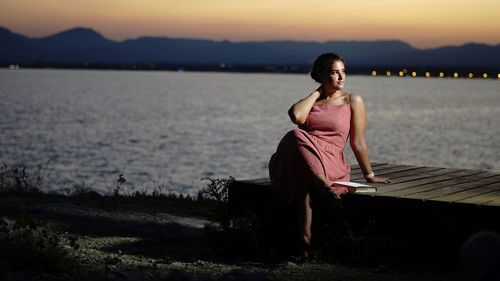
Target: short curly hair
[{"x": 322, "y": 65}]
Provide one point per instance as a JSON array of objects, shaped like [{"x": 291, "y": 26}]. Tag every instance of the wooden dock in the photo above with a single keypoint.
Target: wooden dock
[
  {"x": 434, "y": 208},
  {"x": 436, "y": 184},
  {"x": 448, "y": 185}
]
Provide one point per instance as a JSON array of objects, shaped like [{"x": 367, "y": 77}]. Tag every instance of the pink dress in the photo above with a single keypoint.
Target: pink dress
[{"x": 315, "y": 148}]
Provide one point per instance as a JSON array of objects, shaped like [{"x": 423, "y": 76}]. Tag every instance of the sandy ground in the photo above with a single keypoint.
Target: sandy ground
[{"x": 162, "y": 240}]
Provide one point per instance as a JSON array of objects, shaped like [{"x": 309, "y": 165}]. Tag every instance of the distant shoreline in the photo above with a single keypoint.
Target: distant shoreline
[{"x": 384, "y": 71}]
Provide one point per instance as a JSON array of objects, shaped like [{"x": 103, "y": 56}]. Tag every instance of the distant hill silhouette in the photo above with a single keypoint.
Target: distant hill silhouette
[{"x": 83, "y": 45}]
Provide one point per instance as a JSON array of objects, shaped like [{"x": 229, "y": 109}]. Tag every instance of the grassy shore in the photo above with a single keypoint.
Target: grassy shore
[{"x": 83, "y": 235}]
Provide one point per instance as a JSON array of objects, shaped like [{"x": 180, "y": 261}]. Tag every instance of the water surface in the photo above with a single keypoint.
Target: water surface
[{"x": 174, "y": 128}]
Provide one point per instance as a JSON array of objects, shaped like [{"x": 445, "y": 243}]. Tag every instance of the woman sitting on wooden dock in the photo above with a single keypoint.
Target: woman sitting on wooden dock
[{"x": 311, "y": 158}]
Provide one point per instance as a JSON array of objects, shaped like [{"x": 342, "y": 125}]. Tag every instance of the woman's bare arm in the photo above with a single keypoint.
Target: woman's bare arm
[
  {"x": 300, "y": 110},
  {"x": 357, "y": 137}
]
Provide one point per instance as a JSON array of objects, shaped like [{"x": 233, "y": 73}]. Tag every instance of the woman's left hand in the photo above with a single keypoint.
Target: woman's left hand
[{"x": 376, "y": 179}]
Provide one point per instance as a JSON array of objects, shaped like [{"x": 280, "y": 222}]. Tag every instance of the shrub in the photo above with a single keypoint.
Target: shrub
[
  {"x": 27, "y": 243},
  {"x": 20, "y": 179}
]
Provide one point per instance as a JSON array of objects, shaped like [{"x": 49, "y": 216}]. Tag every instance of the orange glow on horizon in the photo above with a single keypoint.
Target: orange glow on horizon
[{"x": 423, "y": 24}]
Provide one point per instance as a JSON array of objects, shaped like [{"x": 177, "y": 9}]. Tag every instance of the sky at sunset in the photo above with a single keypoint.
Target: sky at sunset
[{"x": 423, "y": 24}]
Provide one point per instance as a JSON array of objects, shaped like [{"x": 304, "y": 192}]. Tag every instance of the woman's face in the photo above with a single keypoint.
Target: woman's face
[{"x": 335, "y": 78}]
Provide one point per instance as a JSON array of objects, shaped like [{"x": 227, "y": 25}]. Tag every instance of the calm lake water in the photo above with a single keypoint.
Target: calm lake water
[{"x": 171, "y": 129}]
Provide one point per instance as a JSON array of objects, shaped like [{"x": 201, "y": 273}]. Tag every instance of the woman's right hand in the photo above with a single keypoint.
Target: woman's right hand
[{"x": 376, "y": 179}]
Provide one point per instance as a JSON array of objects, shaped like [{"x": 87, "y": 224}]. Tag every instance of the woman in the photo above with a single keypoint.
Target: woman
[{"x": 310, "y": 158}]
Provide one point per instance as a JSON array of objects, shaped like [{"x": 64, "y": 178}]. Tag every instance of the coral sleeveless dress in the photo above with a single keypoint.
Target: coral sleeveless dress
[{"x": 315, "y": 148}]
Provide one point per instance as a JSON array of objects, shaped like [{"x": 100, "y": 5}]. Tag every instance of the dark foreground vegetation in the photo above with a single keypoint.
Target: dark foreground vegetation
[{"x": 82, "y": 235}]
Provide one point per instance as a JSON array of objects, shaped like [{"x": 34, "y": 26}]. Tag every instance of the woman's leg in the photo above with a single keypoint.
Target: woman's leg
[
  {"x": 304, "y": 215},
  {"x": 304, "y": 209}
]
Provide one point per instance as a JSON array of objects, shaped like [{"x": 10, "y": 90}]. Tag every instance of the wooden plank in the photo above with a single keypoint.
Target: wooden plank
[
  {"x": 484, "y": 194},
  {"x": 463, "y": 195},
  {"x": 495, "y": 201},
  {"x": 484, "y": 198},
  {"x": 398, "y": 176},
  {"x": 457, "y": 185},
  {"x": 410, "y": 180},
  {"x": 413, "y": 174},
  {"x": 412, "y": 189}
]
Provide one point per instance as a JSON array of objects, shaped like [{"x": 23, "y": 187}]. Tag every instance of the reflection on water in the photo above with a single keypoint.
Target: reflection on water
[{"x": 172, "y": 129}]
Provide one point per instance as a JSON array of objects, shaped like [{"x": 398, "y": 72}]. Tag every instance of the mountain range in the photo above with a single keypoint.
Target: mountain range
[{"x": 86, "y": 46}]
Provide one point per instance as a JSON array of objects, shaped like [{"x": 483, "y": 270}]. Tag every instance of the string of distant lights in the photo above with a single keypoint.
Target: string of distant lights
[
  {"x": 401, "y": 73},
  {"x": 427, "y": 74}
]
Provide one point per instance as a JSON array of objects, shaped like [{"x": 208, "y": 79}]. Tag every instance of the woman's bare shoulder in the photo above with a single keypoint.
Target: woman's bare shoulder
[{"x": 355, "y": 99}]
